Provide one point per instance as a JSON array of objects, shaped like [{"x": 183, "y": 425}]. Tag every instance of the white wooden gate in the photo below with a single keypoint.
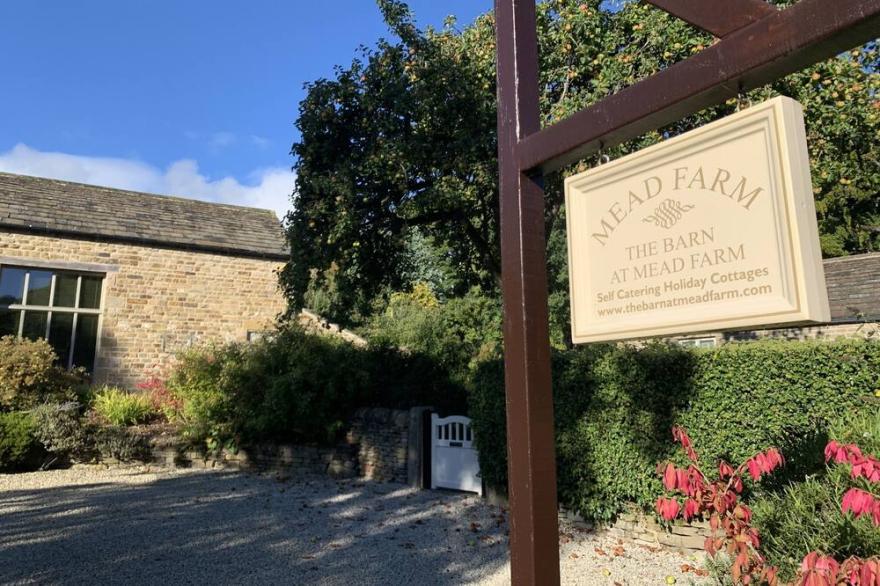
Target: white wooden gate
[{"x": 454, "y": 461}]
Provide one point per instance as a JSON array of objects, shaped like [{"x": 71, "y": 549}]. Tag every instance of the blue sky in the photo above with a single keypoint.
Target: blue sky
[{"x": 194, "y": 98}]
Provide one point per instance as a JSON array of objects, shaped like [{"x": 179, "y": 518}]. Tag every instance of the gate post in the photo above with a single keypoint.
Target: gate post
[
  {"x": 416, "y": 447},
  {"x": 534, "y": 530}
]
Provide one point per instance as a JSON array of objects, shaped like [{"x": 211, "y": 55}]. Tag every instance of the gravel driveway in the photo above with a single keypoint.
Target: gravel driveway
[{"x": 141, "y": 526}]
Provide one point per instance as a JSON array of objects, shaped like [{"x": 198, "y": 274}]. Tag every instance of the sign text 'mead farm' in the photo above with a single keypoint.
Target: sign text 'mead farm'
[{"x": 711, "y": 230}]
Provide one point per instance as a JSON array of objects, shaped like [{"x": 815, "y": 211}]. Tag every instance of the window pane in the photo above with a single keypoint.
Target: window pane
[
  {"x": 34, "y": 324},
  {"x": 59, "y": 336},
  {"x": 9, "y": 322},
  {"x": 39, "y": 287},
  {"x": 65, "y": 290},
  {"x": 11, "y": 285},
  {"x": 90, "y": 293},
  {"x": 86, "y": 339}
]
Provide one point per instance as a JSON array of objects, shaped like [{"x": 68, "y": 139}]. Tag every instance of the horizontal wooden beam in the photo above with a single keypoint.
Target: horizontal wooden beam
[
  {"x": 718, "y": 17},
  {"x": 784, "y": 42}
]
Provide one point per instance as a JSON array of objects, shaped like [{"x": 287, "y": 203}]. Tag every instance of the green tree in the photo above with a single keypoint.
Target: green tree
[
  {"x": 404, "y": 139},
  {"x": 400, "y": 140}
]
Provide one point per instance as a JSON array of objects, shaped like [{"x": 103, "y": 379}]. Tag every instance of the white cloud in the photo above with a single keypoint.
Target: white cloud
[
  {"x": 268, "y": 188},
  {"x": 220, "y": 140},
  {"x": 259, "y": 141}
]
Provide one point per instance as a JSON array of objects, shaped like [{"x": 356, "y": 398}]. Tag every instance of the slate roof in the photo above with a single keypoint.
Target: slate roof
[
  {"x": 854, "y": 286},
  {"x": 38, "y": 205}
]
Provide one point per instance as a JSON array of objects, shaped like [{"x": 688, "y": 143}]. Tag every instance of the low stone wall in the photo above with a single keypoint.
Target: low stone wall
[
  {"x": 289, "y": 460},
  {"x": 382, "y": 437},
  {"x": 381, "y": 444},
  {"x": 647, "y": 531}
]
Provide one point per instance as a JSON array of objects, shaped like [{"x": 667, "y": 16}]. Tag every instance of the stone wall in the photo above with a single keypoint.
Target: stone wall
[
  {"x": 284, "y": 460},
  {"x": 382, "y": 437},
  {"x": 159, "y": 301},
  {"x": 646, "y": 530},
  {"x": 642, "y": 529},
  {"x": 382, "y": 445}
]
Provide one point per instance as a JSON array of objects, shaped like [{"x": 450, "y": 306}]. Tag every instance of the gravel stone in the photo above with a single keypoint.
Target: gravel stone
[{"x": 143, "y": 525}]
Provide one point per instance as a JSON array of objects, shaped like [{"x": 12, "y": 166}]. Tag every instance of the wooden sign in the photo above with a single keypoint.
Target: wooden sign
[{"x": 712, "y": 230}]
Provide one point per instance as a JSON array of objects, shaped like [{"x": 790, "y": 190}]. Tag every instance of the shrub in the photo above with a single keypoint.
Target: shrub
[
  {"x": 718, "y": 499},
  {"x": 614, "y": 406},
  {"x": 19, "y": 449},
  {"x": 120, "y": 407},
  {"x": 29, "y": 375},
  {"x": 296, "y": 387},
  {"x": 120, "y": 443},
  {"x": 455, "y": 335},
  {"x": 806, "y": 516},
  {"x": 161, "y": 398},
  {"x": 60, "y": 430}
]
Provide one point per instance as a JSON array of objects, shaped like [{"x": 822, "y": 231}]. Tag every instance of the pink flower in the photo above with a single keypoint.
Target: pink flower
[
  {"x": 737, "y": 485},
  {"x": 691, "y": 509},
  {"x": 870, "y": 573},
  {"x": 866, "y": 467},
  {"x": 861, "y": 503},
  {"x": 818, "y": 570},
  {"x": 681, "y": 481},
  {"x": 725, "y": 470},
  {"x": 834, "y": 451},
  {"x": 754, "y": 469},
  {"x": 667, "y": 508},
  {"x": 669, "y": 477},
  {"x": 774, "y": 459},
  {"x": 681, "y": 436}
]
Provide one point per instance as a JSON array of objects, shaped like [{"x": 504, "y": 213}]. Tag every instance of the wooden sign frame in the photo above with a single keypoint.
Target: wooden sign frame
[{"x": 758, "y": 44}]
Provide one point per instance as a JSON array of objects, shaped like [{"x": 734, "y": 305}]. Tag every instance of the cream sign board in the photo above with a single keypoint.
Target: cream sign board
[{"x": 712, "y": 230}]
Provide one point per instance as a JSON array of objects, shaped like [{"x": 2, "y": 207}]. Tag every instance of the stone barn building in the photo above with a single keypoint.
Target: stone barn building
[{"x": 119, "y": 282}]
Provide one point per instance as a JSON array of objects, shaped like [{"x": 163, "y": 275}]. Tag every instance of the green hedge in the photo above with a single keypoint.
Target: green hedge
[
  {"x": 615, "y": 407},
  {"x": 298, "y": 387}
]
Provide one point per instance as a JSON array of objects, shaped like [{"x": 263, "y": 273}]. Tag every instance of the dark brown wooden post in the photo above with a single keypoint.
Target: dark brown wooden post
[
  {"x": 758, "y": 44},
  {"x": 534, "y": 532}
]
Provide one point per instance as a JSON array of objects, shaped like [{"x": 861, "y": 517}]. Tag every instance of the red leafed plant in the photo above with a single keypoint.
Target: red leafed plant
[
  {"x": 821, "y": 570},
  {"x": 858, "y": 502},
  {"x": 163, "y": 400},
  {"x": 694, "y": 495},
  {"x": 718, "y": 500}
]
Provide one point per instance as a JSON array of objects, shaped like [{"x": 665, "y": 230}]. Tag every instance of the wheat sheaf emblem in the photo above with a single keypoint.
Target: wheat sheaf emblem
[{"x": 668, "y": 213}]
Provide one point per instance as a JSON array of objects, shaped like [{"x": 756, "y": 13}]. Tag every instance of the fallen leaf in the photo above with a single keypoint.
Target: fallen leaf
[{"x": 600, "y": 551}]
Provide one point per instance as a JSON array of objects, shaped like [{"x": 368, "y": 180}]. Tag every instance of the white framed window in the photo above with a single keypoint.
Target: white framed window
[
  {"x": 698, "y": 342},
  {"x": 63, "y": 307}
]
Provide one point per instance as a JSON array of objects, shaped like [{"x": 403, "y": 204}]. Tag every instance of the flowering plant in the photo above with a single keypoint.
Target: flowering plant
[
  {"x": 822, "y": 570},
  {"x": 161, "y": 397},
  {"x": 718, "y": 500}
]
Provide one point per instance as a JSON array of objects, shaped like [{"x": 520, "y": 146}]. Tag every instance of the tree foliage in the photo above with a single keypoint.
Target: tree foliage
[{"x": 404, "y": 140}]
